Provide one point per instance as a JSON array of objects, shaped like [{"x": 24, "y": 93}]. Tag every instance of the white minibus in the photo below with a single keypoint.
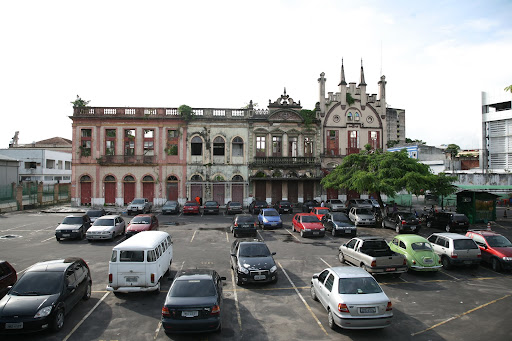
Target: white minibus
[{"x": 140, "y": 262}]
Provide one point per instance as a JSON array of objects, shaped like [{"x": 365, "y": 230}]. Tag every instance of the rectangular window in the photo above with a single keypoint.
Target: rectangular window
[
  {"x": 332, "y": 142},
  {"x": 85, "y": 142},
  {"x": 149, "y": 142},
  {"x": 110, "y": 142},
  {"x": 59, "y": 164},
  {"x": 129, "y": 142},
  {"x": 260, "y": 145},
  {"x": 276, "y": 146},
  {"x": 50, "y": 164},
  {"x": 374, "y": 139},
  {"x": 308, "y": 146},
  {"x": 292, "y": 146},
  {"x": 67, "y": 165},
  {"x": 172, "y": 142}
]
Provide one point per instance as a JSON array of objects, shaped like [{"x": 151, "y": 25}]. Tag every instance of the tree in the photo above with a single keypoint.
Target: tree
[
  {"x": 380, "y": 173},
  {"x": 508, "y": 88},
  {"x": 79, "y": 103},
  {"x": 408, "y": 140},
  {"x": 186, "y": 112},
  {"x": 453, "y": 150},
  {"x": 308, "y": 115},
  {"x": 441, "y": 185}
]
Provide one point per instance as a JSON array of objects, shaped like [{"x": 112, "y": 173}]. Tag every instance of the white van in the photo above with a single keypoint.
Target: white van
[{"x": 140, "y": 262}]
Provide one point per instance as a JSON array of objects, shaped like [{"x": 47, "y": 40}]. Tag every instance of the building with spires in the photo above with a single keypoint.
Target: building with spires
[{"x": 350, "y": 119}]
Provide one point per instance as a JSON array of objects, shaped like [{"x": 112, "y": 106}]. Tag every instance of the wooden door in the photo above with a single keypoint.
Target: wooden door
[
  {"x": 85, "y": 193},
  {"x": 148, "y": 190},
  {"x": 110, "y": 192},
  {"x": 129, "y": 192},
  {"x": 260, "y": 190}
]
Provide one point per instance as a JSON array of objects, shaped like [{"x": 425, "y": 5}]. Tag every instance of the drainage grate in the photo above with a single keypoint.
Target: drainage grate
[
  {"x": 9, "y": 236},
  {"x": 173, "y": 223}
]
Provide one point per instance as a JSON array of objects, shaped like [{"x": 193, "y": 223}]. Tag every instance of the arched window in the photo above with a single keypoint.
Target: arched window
[
  {"x": 238, "y": 146},
  {"x": 196, "y": 146},
  {"x": 172, "y": 178},
  {"x": 129, "y": 178},
  {"x": 349, "y": 116},
  {"x": 147, "y": 178},
  {"x": 218, "y": 146},
  {"x": 237, "y": 178},
  {"x": 357, "y": 116},
  {"x": 196, "y": 177},
  {"x": 110, "y": 178},
  {"x": 85, "y": 178}
]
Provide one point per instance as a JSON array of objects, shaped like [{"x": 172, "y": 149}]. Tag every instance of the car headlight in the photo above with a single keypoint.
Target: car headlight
[
  {"x": 507, "y": 258},
  {"x": 307, "y": 230},
  {"x": 243, "y": 270},
  {"x": 43, "y": 312},
  {"x": 265, "y": 220},
  {"x": 273, "y": 269},
  {"x": 322, "y": 229}
]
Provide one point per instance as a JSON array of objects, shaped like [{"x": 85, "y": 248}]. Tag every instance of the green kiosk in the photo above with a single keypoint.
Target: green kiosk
[{"x": 479, "y": 207}]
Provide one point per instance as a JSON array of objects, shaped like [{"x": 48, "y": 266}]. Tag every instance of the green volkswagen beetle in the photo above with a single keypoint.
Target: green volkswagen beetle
[{"x": 418, "y": 252}]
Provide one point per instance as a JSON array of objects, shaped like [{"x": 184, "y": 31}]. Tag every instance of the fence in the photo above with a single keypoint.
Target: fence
[{"x": 30, "y": 194}]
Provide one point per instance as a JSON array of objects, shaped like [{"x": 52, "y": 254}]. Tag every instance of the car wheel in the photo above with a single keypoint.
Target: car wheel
[
  {"x": 446, "y": 263},
  {"x": 429, "y": 224},
  {"x": 87, "y": 294},
  {"x": 341, "y": 257},
  {"x": 330, "y": 320},
  {"x": 112, "y": 236},
  {"x": 58, "y": 239},
  {"x": 447, "y": 228},
  {"x": 397, "y": 229},
  {"x": 496, "y": 266},
  {"x": 58, "y": 321},
  {"x": 235, "y": 234},
  {"x": 313, "y": 293}
]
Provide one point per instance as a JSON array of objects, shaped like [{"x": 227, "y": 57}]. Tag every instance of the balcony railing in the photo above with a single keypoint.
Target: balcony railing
[
  {"x": 284, "y": 161},
  {"x": 127, "y": 160}
]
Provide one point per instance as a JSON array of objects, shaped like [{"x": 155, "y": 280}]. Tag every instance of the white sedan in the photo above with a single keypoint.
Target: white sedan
[
  {"x": 361, "y": 216},
  {"x": 106, "y": 227},
  {"x": 352, "y": 297}
]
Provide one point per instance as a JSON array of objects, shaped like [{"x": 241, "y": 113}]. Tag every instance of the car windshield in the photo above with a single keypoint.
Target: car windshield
[
  {"x": 36, "y": 283},
  {"x": 421, "y": 246},
  {"x": 335, "y": 201},
  {"x": 211, "y": 203},
  {"x": 285, "y": 203},
  {"x": 310, "y": 219},
  {"x": 138, "y": 201},
  {"x": 363, "y": 211},
  {"x": 498, "y": 241},
  {"x": 271, "y": 213},
  {"x": 340, "y": 217},
  {"x": 464, "y": 244},
  {"x": 324, "y": 211},
  {"x": 254, "y": 250},
  {"x": 140, "y": 220},
  {"x": 94, "y": 213},
  {"x": 73, "y": 220},
  {"x": 362, "y": 285},
  {"x": 361, "y": 201},
  {"x": 192, "y": 288},
  {"x": 245, "y": 219},
  {"x": 260, "y": 203},
  {"x": 104, "y": 222}
]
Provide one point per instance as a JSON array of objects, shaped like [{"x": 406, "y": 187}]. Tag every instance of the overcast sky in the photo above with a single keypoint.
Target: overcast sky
[{"x": 437, "y": 57}]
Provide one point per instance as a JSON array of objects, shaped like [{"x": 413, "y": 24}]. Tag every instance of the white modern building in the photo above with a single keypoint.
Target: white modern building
[
  {"x": 41, "y": 165},
  {"x": 496, "y": 152}
]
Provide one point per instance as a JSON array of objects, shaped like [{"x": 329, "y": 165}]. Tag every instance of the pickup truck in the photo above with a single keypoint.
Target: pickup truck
[
  {"x": 372, "y": 254},
  {"x": 139, "y": 205}
]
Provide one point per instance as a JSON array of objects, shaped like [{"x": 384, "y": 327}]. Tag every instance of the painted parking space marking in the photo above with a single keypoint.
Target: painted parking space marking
[
  {"x": 85, "y": 317},
  {"x": 302, "y": 299},
  {"x": 447, "y": 274},
  {"x": 193, "y": 236},
  {"x": 291, "y": 234},
  {"x": 47, "y": 239},
  {"x": 325, "y": 262},
  {"x": 460, "y": 315},
  {"x": 239, "y": 319}
]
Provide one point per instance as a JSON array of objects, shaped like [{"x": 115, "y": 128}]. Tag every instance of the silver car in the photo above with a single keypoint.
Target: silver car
[
  {"x": 455, "y": 249},
  {"x": 335, "y": 205},
  {"x": 352, "y": 297},
  {"x": 106, "y": 227},
  {"x": 361, "y": 216}
]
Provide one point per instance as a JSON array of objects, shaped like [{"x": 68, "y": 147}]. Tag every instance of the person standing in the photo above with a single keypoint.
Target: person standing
[{"x": 322, "y": 204}]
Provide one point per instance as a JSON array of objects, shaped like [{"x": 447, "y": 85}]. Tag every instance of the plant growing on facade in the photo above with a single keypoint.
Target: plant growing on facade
[
  {"x": 186, "y": 112},
  {"x": 508, "y": 88},
  {"x": 85, "y": 151},
  {"x": 172, "y": 149},
  {"x": 308, "y": 116},
  {"x": 350, "y": 99},
  {"x": 79, "y": 103}
]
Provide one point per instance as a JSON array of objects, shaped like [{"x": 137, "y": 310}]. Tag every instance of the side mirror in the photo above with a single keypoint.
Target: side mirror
[
  {"x": 223, "y": 278},
  {"x": 273, "y": 253},
  {"x": 71, "y": 287},
  {"x": 233, "y": 254},
  {"x": 315, "y": 276}
]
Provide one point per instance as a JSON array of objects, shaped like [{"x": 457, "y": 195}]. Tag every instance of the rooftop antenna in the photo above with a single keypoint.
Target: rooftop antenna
[{"x": 381, "y": 57}]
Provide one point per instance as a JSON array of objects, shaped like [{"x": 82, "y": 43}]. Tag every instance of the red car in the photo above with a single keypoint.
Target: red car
[
  {"x": 7, "y": 277},
  {"x": 496, "y": 249},
  {"x": 308, "y": 225},
  {"x": 320, "y": 212},
  {"x": 191, "y": 207},
  {"x": 142, "y": 222}
]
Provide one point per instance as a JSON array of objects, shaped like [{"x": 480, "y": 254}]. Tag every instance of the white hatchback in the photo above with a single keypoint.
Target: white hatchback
[
  {"x": 361, "y": 216},
  {"x": 106, "y": 227}
]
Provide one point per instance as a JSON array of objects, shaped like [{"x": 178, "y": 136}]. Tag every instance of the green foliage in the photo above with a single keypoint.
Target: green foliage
[
  {"x": 308, "y": 116},
  {"x": 172, "y": 149},
  {"x": 392, "y": 143},
  {"x": 452, "y": 149},
  {"x": 383, "y": 173},
  {"x": 350, "y": 99},
  {"x": 79, "y": 103},
  {"x": 508, "y": 88},
  {"x": 186, "y": 112},
  {"x": 408, "y": 140}
]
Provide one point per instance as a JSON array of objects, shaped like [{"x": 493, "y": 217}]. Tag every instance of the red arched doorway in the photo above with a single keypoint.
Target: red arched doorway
[
  {"x": 85, "y": 190},
  {"x": 172, "y": 188},
  {"x": 110, "y": 190},
  {"x": 129, "y": 189},
  {"x": 148, "y": 188}
]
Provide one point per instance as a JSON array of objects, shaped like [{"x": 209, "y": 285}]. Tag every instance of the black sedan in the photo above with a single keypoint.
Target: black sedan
[
  {"x": 171, "y": 206},
  {"x": 244, "y": 224},
  {"x": 234, "y": 207},
  {"x": 43, "y": 295},
  {"x": 194, "y": 302},
  {"x": 211, "y": 207},
  {"x": 252, "y": 262},
  {"x": 308, "y": 205},
  {"x": 402, "y": 222},
  {"x": 283, "y": 206},
  {"x": 257, "y": 205},
  {"x": 339, "y": 224}
]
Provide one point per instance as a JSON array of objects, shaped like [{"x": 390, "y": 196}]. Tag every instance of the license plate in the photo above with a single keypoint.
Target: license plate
[
  {"x": 428, "y": 260},
  {"x": 348, "y": 231},
  {"x": 131, "y": 279},
  {"x": 66, "y": 235},
  {"x": 367, "y": 310},
  {"x": 316, "y": 232},
  {"x": 189, "y": 313},
  {"x": 461, "y": 224},
  {"x": 259, "y": 277},
  {"x": 468, "y": 262},
  {"x": 390, "y": 269},
  {"x": 285, "y": 209},
  {"x": 273, "y": 224},
  {"x": 14, "y": 325},
  {"x": 413, "y": 228}
]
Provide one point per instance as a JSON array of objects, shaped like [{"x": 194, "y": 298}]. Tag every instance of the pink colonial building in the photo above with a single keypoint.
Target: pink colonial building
[{"x": 123, "y": 153}]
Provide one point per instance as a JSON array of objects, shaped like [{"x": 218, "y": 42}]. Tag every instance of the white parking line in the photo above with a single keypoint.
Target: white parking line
[
  {"x": 42, "y": 241},
  {"x": 14, "y": 228},
  {"x": 302, "y": 299},
  {"x": 193, "y": 236},
  {"x": 329, "y": 265},
  {"x": 444, "y": 272},
  {"x": 227, "y": 236},
  {"x": 259, "y": 234},
  {"x": 291, "y": 233},
  {"x": 236, "y": 301},
  {"x": 85, "y": 317}
]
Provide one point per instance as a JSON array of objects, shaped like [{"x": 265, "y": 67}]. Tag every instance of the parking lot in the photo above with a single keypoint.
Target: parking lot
[{"x": 458, "y": 304}]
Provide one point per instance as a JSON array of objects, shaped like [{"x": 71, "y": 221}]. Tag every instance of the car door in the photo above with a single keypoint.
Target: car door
[
  {"x": 234, "y": 254},
  {"x": 81, "y": 278},
  {"x": 327, "y": 289},
  {"x": 319, "y": 288},
  {"x": 350, "y": 250},
  {"x": 71, "y": 291}
]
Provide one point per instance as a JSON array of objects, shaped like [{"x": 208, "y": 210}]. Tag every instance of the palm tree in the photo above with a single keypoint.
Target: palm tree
[
  {"x": 508, "y": 88},
  {"x": 453, "y": 150}
]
